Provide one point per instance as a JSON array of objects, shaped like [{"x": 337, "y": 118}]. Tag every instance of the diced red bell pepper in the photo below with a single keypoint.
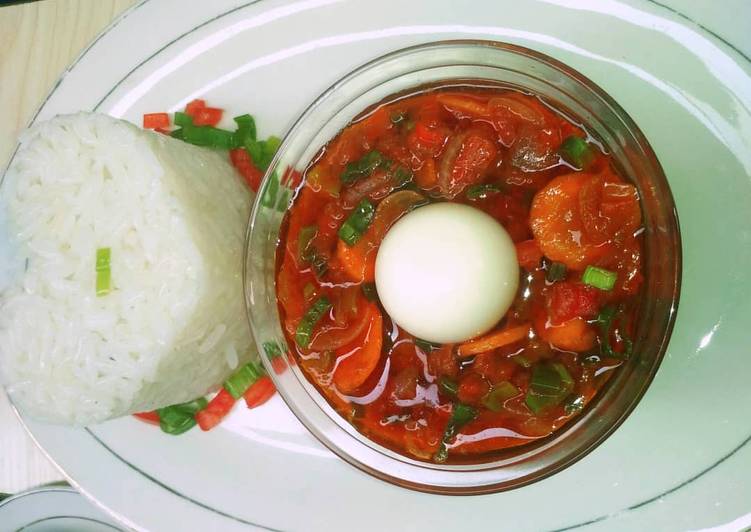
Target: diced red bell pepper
[
  {"x": 259, "y": 392},
  {"x": 216, "y": 410},
  {"x": 151, "y": 418},
  {"x": 193, "y": 107},
  {"x": 528, "y": 254},
  {"x": 279, "y": 365},
  {"x": 428, "y": 136},
  {"x": 472, "y": 388},
  {"x": 156, "y": 121},
  {"x": 568, "y": 300},
  {"x": 208, "y": 116},
  {"x": 242, "y": 161}
]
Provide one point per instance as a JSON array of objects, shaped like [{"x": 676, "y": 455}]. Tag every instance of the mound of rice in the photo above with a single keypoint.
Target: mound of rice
[{"x": 173, "y": 327}]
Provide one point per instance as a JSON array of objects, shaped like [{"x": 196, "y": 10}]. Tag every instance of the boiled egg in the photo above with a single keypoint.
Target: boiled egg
[{"x": 446, "y": 272}]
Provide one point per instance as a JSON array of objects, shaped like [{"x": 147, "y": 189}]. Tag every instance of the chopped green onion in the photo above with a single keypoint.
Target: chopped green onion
[
  {"x": 209, "y": 136},
  {"x": 284, "y": 200},
  {"x": 397, "y": 117},
  {"x": 369, "y": 291},
  {"x": 272, "y": 349},
  {"x": 363, "y": 166},
  {"x": 460, "y": 416},
  {"x": 402, "y": 176},
  {"x": 425, "y": 346},
  {"x": 522, "y": 361},
  {"x": 269, "y": 196},
  {"x": 305, "y": 242},
  {"x": 448, "y": 386},
  {"x": 103, "y": 283},
  {"x": 475, "y": 192},
  {"x": 255, "y": 150},
  {"x": 308, "y": 290},
  {"x": 246, "y": 130},
  {"x": 103, "y": 256},
  {"x": 574, "y": 404},
  {"x": 309, "y": 320},
  {"x": 239, "y": 382},
  {"x": 307, "y": 252},
  {"x": 556, "y": 272},
  {"x": 577, "y": 152},
  {"x": 605, "y": 321},
  {"x": 550, "y": 385},
  {"x": 182, "y": 119},
  {"x": 103, "y": 272},
  {"x": 357, "y": 222},
  {"x": 499, "y": 394},
  {"x": 269, "y": 148},
  {"x": 262, "y": 151},
  {"x": 599, "y": 278},
  {"x": 176, "y": 419}
]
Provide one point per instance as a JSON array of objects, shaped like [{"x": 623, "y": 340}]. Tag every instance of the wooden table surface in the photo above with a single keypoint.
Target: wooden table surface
[{"x": 37, "y": 41}]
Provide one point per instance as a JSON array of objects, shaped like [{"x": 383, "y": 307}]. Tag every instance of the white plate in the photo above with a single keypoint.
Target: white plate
[
  {"x": 681, "y": 461},
  {"x": 54, "y": 509}
]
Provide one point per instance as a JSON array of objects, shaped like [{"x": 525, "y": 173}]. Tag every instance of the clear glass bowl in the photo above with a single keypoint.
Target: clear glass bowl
[{"x": 511, "y": 66}]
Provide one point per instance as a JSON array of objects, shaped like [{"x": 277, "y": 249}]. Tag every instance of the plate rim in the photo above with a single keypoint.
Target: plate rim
[{"x": 736, "y": 55}]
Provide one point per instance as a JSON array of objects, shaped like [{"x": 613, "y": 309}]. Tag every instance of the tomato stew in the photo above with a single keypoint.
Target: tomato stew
[{"x": 576, "y": 224}]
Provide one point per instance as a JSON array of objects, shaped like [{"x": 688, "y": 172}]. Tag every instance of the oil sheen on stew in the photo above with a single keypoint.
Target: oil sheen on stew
[{"x": 575, "y": 223}]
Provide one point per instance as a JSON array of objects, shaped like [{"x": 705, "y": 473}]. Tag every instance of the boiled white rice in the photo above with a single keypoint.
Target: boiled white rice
[{"x": 174, "y": 215}]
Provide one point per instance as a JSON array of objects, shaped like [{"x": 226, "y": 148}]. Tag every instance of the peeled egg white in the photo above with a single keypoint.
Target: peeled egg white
[{"x": 446, "y": 272}]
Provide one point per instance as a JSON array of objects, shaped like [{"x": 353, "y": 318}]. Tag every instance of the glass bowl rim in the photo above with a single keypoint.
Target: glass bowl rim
[{"x": 668, "y": 205}]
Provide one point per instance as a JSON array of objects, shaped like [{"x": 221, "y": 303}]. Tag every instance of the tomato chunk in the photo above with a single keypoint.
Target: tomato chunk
[
  {"x": 358, "y": 363},
  {"x": 567, "y": 300}
]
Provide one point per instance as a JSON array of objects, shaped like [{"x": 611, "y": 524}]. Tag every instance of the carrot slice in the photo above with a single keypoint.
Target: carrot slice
[
  {"x": 463, "y": 105},
  {"x": 355, "y": 369},
  {"x": 427, "y": 176},
  {"x": 557, "y": 225},
  {"x": 572, "y": 335},
  {"x": 493, "y": 340}
]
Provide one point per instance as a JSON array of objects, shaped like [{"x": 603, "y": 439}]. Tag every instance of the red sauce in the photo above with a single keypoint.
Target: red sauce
[{"x": 565, "y": 206}]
